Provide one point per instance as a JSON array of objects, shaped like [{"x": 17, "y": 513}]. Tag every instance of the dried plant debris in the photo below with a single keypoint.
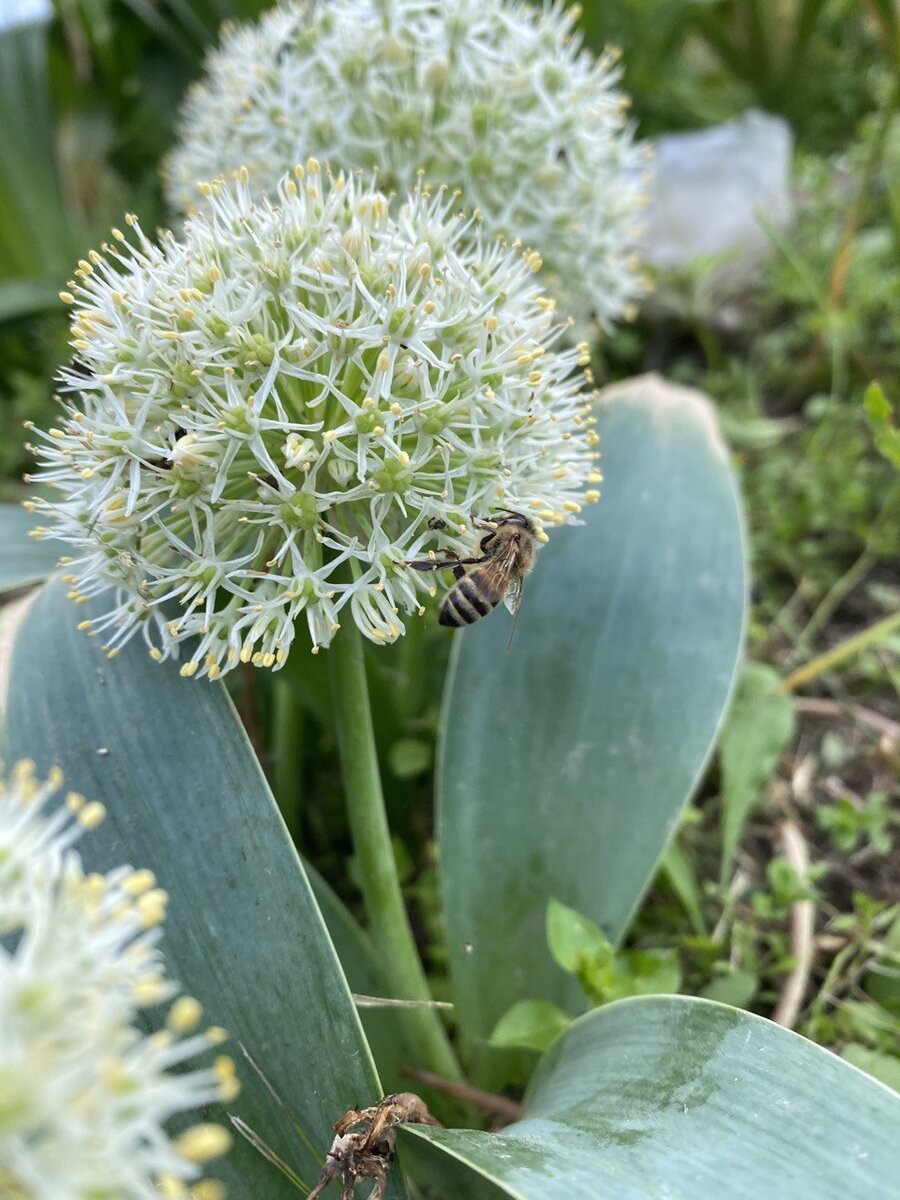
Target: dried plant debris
[{"x": 363, "y": 1146}]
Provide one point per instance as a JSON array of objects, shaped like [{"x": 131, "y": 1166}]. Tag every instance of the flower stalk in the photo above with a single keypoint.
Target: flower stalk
[{"x": 375, "y": 854}]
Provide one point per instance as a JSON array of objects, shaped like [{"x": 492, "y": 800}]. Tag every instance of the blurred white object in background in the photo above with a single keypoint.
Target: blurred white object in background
[
  {"x": 708, "y": 190},
  {"x": 24, "y": 12}
]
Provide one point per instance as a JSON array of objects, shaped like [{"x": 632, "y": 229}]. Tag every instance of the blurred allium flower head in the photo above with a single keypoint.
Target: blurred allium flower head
[
  {"x": 268, "y": 415},
  {"x": 84, "y": 1092},
  {"x": 494, "y": 97}
]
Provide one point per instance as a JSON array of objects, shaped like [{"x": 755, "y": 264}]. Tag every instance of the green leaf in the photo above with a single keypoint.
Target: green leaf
[
  {"x": 737, "y": 988},
  {"x": 23, "y": 559},
  {"x": 759, "y": 727},
  {"x": 883, "y": 423},
  {"x": 27, "y": 297},
  {"x": 884, "y": 1067},
  {"x": 186, "y": 798},
  {"x": 682, "y": 1098},
  {"x": 408, "y": 758},
  {"x": 572, "y": 938},
  {"x": 36, "y": 236},
  {"x": 682, "y": 876},
  {"x": 643, "y": 973},
  {"x": 530, "y": 1025},
  {"x": 564, "y": 764}
]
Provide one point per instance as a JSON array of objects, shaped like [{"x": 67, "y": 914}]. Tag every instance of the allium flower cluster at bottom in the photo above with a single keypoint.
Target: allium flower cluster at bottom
[
  {"x": 268, "y": 414},
  {"x": 84, "y": 1093}
]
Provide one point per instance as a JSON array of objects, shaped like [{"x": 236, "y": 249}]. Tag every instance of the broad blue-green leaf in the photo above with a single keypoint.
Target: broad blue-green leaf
[
  {"x": 360, "y": 962},
  {"x": 759, "y": 726},
  {"x": 689, "y": 1100},
  {"x": 186, "y": 798},
  {"x": 565, "y": 762},
  {"x": 22, "y": 559}
]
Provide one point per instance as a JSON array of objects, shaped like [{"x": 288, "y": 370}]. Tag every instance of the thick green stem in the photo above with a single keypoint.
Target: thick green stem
[
  {"x": 375, "y": 853},
  {"x": 288, "y": 747}
]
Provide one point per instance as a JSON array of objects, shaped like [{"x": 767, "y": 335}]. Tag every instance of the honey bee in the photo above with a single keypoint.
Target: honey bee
[{"x": 508, "y": 551}]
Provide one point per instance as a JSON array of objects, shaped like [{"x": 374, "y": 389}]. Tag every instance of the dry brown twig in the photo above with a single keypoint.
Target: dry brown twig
[
  {"x": 505, "y": 1110},
  {"x": 803, "y": 917}
]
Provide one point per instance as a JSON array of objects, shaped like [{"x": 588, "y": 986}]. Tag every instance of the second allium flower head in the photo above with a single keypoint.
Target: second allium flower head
[
  {"x": 85, "y": 1092},
  {"x": 267, "y": 414},
  {"x": 494, "y": 97}
]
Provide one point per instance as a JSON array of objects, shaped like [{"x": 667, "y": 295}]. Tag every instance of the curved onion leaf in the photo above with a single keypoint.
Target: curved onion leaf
[
  {"x": 186, "y": 797},
  {"x": 689, "y": 1100},
  {"x": 565, "y": 763}
]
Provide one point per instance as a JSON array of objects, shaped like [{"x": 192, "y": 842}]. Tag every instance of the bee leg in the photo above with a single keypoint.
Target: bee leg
[
  {"x": 478, "y": 523},
  {"x": 440, "y": 564}
]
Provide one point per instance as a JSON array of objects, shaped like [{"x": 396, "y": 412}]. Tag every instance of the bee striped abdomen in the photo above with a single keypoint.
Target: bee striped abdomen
[{"x": 466, "y": 603}]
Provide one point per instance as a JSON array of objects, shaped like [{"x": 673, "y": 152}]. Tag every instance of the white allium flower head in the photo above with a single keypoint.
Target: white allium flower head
[
  {"x": 84, "y": 1092},
  {"x": 269, "y": 414},
  {"x": 494, "y": 97}
]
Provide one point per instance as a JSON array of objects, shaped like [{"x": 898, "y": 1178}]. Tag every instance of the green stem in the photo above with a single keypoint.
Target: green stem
[
  {"x": 389, "y": 921},
  {"x": 288, "y": 746},
  {"x": 840, "y": 653}
]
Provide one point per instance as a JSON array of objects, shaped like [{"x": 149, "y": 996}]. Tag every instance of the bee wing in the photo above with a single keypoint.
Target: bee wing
[
  {"x": 513, "y": 601},
  {"x": 497, "y": 573},
  {"x": 513, "y": 597}
]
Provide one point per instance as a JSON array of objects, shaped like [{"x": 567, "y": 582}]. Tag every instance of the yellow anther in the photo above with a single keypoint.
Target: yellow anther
[
  {"x": 91, "y": 815},
  {"x": 591, "y": 497},
  {"x": 150, "y": 991},
  {"x": 203, "y": 1143},
  {"x": 208, "y": 1189},
  {"x": 152, "y": 907},
  {"x": 138, "y": 882},
  {"x": 185, "y": 1015},
  {"x": 170, "y": 1187}
]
